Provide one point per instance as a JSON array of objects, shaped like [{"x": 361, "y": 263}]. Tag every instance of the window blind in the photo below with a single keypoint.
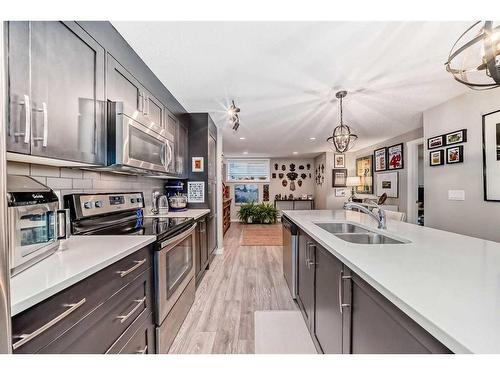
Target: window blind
[{"x": 248, "y": 170}]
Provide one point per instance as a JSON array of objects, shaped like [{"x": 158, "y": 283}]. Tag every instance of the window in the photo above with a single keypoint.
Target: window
[{"x": 248, "y": 170}]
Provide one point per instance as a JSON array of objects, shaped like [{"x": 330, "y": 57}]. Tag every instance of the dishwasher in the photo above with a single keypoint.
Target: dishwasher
[{"x": 290, "y": 254}]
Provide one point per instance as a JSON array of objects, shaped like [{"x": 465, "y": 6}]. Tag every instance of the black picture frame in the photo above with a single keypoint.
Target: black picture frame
[
  {"x": 429, "y": 140},
  {"x": 441, "y": 158},
  {"x": 402, "y": 165},
  {"x": 335, "y": 181},
  {"x": 384, "y": 149},
  {"x": 460, "y": 155},
  {"x": 485, "y": 158},
  {"x": 464, "y": 137}
]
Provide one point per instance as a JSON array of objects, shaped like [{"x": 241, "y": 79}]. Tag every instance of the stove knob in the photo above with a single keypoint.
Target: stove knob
[
  {"x": 132, "y": 200},
  {"x": 87, "y": 205},
  {"x": 98, "y": 204}
]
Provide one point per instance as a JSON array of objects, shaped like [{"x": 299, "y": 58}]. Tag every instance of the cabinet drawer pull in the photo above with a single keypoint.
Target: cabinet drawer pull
[
  {"x": 26, "y": 337},
  {"x": 138, "y": 263},
  {"x": 142, "y": 351},
  {"x": 123, "y": 318},
  {"x": 27, "y": 120},
  {"x": 341, "y": 291}
]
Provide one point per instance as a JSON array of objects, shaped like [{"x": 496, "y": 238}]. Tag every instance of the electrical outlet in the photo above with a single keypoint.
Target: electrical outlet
[{"x": 456, "y": 195}]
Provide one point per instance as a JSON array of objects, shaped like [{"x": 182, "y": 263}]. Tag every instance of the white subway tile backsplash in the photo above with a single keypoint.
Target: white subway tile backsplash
[
  {"x": 71, "y": 173},
  {"x": 91, "y": 175},
  {"x": 18, "y": 168},
  {"x": 45, "y": 170},
  {"x": 82, "y": 184},
  {"x": 59, "y": 183}
]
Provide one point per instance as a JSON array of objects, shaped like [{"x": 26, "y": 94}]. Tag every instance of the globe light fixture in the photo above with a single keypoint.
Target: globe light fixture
[{"x": 342, "y": 138}]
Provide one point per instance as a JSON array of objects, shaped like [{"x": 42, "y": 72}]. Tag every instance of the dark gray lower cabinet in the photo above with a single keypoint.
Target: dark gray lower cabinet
[
  {"x": 379, "y": 327},
  {"x": 328, "y": 317},
  {"x": 305, "y": 285},
  {"x": 201, "y": 249},
  {"x": 344, "y": 314},
  {"x": 99, "y": 314}
]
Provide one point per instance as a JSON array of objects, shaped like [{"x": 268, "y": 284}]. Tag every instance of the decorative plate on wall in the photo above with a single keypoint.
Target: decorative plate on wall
[
  {"x": 283, "y": 167},
  {"x": 292, "y": 176},
  {"x": 274, "y": 175},
  {"x": 284, "y": 183},
  {"x": 303, "y": 176},
  {"x": 292, "y": 167},
  {"x": 292, "y": 186},
  {"x": 301, "y": 167},
  {"x": 308, "y": 166},
  {"x": 276, "y": 166},
  {"x": 299, "y": 182},
  {"x": 281, "y": 175}
]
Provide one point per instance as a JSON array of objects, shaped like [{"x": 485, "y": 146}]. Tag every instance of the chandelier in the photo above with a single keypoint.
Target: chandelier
[
  {"x": 234, "y": 117},
  {"x": 474, "y": 59},
  {"x": 342, "y": 138}
]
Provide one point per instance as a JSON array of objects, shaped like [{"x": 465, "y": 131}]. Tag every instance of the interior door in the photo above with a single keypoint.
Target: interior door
[
  {"x": 327, "y": 315},
  {"x": 67, "y": 85},
  {"x": 19, "y": 122}
]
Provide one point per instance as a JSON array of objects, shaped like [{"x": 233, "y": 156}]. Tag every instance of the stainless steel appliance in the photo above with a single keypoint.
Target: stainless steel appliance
[
  {"x": 178, "y": 202},
  {"x": 5, "y": 319},
  {"x": 290, "y": 254},
  {"x": 35, "y": 222},
  {"x": 174, "y": 264},
  {"x": 136, "y": 143}
]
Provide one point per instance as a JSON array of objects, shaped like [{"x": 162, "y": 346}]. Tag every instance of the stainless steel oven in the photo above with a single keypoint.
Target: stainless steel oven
[
  {"x": 35, "y": 222},
  {"x": 137, "y": 144},
  {"x": 174, "y": 284}
]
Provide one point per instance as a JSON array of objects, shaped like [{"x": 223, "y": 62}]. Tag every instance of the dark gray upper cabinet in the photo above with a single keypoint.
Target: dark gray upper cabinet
[
  {"x": 56, "y": 92},
  {"x": 122, "y": 86},
  {"x": 328, "y": 316},
  {"x": 305, "y": 287}
]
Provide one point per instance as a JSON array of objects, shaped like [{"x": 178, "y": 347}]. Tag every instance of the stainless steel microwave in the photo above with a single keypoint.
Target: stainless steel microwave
[{"x": 137, "y": 144}]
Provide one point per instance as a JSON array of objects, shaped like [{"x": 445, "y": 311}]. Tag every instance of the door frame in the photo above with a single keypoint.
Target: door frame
[{"x": 412, "y": 179}]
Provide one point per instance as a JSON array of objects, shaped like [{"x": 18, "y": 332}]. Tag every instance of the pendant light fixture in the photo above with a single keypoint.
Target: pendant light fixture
[
  {"x": 234, "y": 117},
  {"x": 474, "y": 59},
  {"x": 342, "y": 138}
]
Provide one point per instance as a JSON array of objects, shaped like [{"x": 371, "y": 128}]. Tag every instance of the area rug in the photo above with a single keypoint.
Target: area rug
[
  {"x": 282, "y": 332},
  {"x": 262, "y": 235}
]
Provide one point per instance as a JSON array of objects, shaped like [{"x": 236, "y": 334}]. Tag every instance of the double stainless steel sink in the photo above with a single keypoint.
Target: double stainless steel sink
[{"x": 357, "y": 234}]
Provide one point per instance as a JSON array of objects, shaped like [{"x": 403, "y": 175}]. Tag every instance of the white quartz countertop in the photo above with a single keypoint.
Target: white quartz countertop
[
  {"x": 448, "y": 283},
  {"x": 191, "y": 213},
  {"x": 77, "y": 258}
]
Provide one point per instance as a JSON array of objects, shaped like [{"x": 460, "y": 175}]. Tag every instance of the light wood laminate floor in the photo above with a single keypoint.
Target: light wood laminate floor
[{"x": 241, "y": 281}]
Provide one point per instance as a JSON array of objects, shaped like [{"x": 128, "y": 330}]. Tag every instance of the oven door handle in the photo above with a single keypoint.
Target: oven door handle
[{"x": 178, "y": 238}]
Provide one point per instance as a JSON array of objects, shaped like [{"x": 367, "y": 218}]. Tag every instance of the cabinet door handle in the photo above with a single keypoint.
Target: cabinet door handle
[
  {"x": 123, "y": 318},
  {"x": 142, "y": 351},
  {"x": 138, "y": 263},
  {"x": 309, "y": 261},
  {"x": 27, "y": 120},
  {"x": 26, "y": 337},
  {"x": 45, "y": 125},
  {"x": 140, "y": 102},
  {"x": 341, "y": 291}
]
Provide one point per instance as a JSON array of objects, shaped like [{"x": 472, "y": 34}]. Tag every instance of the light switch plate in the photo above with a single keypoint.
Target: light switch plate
[{"x": 456, "y": 195}]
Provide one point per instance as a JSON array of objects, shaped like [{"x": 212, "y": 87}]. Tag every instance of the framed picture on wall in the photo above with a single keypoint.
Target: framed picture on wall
[
  {"x": 364, "y": 169},
  {"x": 455, "y": 137},
  {"x": 340, "y": 192},
  {"x": 455, "y": 155},
  {"x": 339, "y": 161},
  {"x": 436, "y": 158},
  {"x": 395, "y": 157},
  {"x": 491, "y": 156},
  {"x": 339, "y": 178},
  {"x": 435, "y": 142},
  {"x": 246, "y": 193},
  {"x": 387, "y": 183},
  {"x": 380, "y": 156}
]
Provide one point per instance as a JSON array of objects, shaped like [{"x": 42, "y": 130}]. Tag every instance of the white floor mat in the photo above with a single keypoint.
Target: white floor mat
[{"x": 282, "y": 332}]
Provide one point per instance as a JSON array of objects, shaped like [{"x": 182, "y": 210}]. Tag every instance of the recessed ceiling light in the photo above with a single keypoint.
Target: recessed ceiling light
[
  {"x": 295, "y": 152},
  {"x": 242, "y": 138},
  {"x": 245, "y": 152},
  {"x": 312, "y": 138}
]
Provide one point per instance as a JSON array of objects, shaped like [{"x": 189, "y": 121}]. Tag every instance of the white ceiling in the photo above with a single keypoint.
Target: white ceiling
[{"x": 283, "y": 76}]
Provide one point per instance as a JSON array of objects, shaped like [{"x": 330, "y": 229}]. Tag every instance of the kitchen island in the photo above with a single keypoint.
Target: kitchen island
[{"x": 448, "y": 284}]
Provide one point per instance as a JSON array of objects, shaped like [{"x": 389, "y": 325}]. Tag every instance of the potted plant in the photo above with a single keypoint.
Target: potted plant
[{"x": 247, "y": 213}]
